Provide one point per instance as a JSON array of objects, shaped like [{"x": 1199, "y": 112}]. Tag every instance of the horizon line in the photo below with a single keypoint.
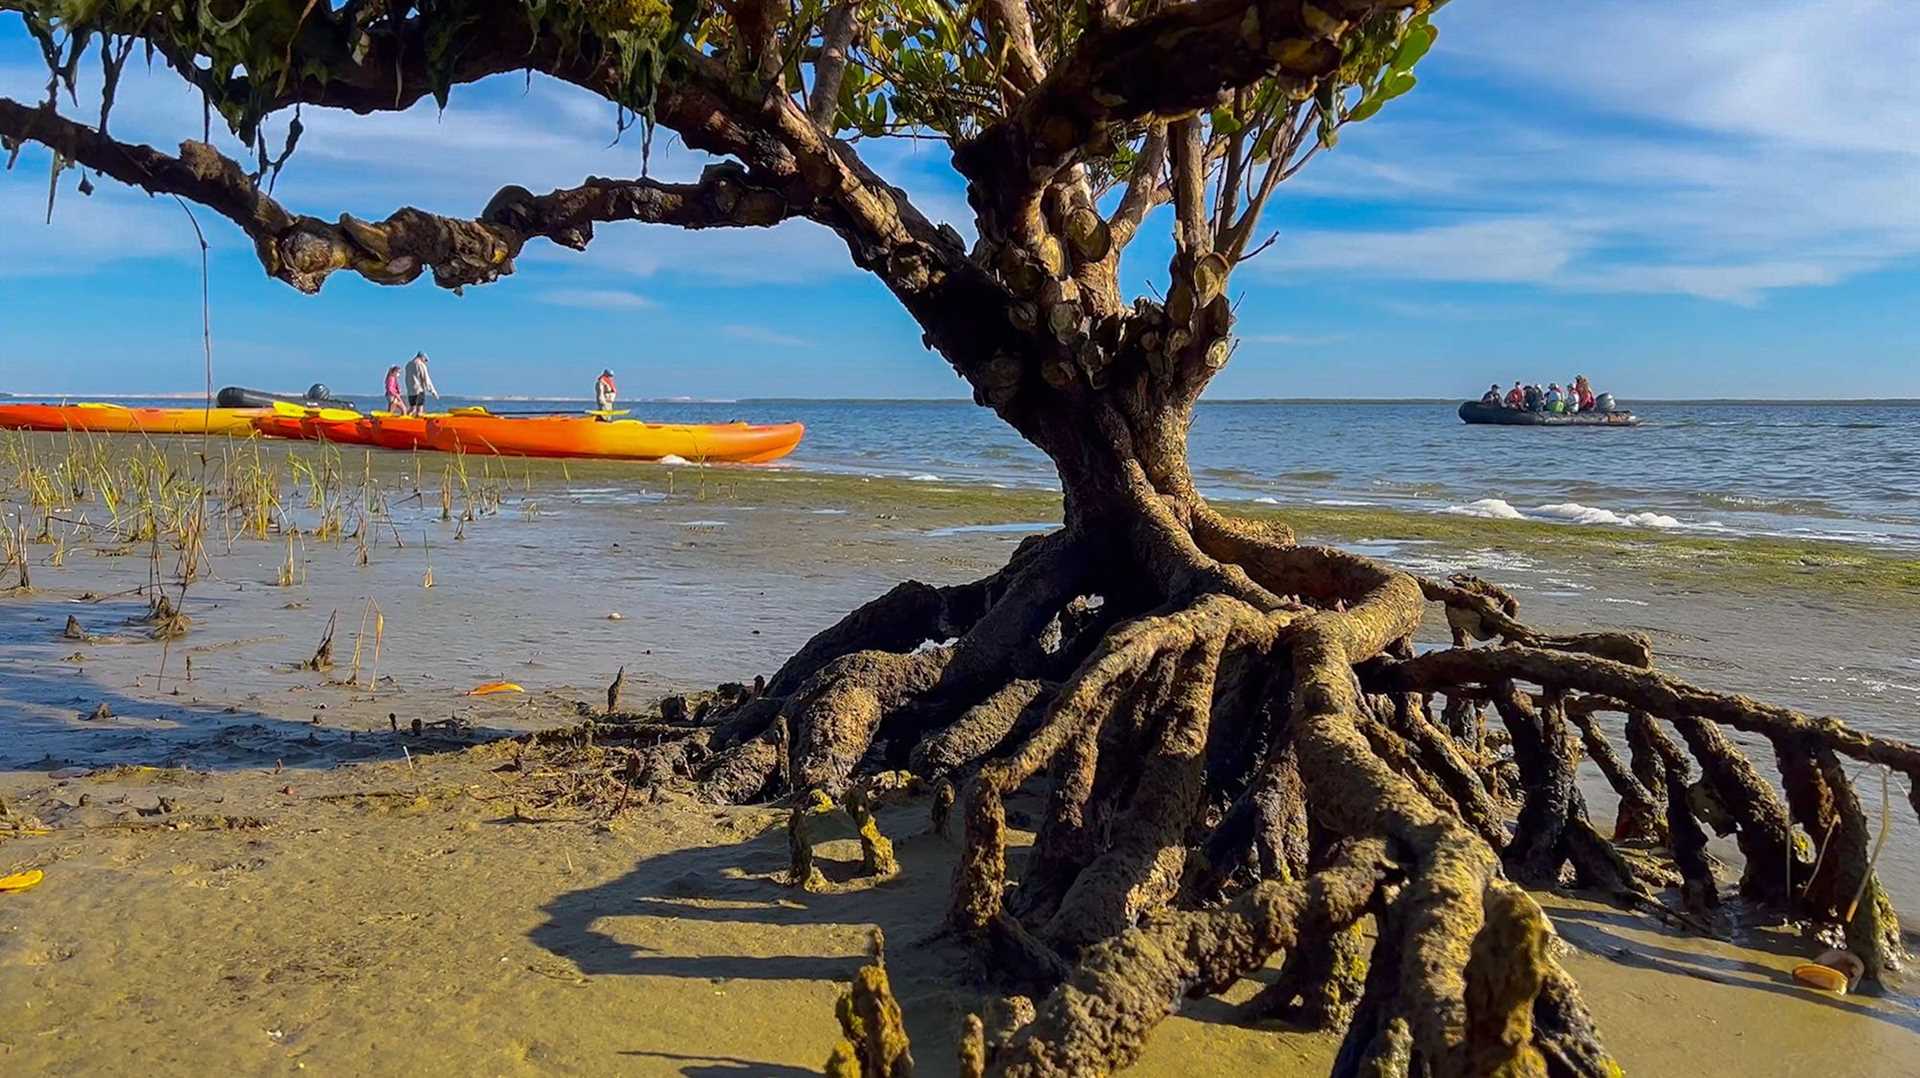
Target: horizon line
[{"x": 687, "y": 399}]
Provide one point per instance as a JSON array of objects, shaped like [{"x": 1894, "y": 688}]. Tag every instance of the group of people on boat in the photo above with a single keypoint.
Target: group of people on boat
[
  {"x": 1576, "y": 397},
  {"x": 419, "y": 384}
]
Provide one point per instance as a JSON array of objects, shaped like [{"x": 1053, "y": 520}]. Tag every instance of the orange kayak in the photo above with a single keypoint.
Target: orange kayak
[
  {"x": 355, "y": 431},
  {"x": 343, "y": 426},
  {"x": 280, "y": 426},
  {"x": 397, "y": 431},
  {"x": 118, "y": 419},
  {"x": 623, "y": 439}
]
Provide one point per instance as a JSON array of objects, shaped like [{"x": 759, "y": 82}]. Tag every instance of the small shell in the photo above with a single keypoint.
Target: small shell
[{"x": 1825, "y": 978}]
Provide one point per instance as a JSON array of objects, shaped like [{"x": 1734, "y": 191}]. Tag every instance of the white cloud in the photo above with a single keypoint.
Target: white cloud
[
  {"x": 762, "y": 335},
  {"x": 1508, "y": 249},
  {"x": 1718, "y": 150},
  {"x": 85, "y": 233},
  {"x": 604, "y": 299},
  {"x": 794, "y": 252},
  {"x": 1742, "y": 283}
]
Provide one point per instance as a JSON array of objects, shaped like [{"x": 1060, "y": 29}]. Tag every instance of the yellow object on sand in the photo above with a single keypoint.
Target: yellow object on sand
[
  {"x": 21, "y": 881},
  {"x": 1825, "y": 978},
  {"x": 488, "y": 688}
]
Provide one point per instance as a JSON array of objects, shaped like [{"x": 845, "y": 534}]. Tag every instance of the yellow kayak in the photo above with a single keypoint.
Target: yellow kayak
[{"x": 103, "y": 418}]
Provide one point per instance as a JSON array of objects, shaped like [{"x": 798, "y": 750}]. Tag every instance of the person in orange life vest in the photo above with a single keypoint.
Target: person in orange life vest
[{"x": 604, "y": 392}]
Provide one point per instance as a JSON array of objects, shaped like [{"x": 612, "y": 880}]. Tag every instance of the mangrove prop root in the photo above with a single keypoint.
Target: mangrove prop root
[
  {"x": 1321, "y": 984},
  {"x": 1546, "y": 761},
  {"x": 1238, "y": 759},
  {"x": 873, "y": 1040},
  {"x": 1872, "y": 931},
  {"x": 1504, "y": 975},
  {"x": 1648, "y": 747},
  {"x": 1763, "y": 832},
  {"x": 1639, "y": 818}
]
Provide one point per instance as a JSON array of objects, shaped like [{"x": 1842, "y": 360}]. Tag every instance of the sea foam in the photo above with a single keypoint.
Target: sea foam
[{"x": 1566, "y": 513}]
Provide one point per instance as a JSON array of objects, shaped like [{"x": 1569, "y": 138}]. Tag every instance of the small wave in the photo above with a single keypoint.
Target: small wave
[
  {"x": 1267, "y": 500},
  {"x": 1567, "y": 513},
  {"x": 924, "y": 477},
  {"x": 1628, "y": 602},
  {"x": 1342, "y": 503},
  {"x": 1575, "y": 513},
  {"x": 1311, "y": 476},
  {"x": 672, "y": 458},
  {"x": 828, "y": 512},
  {"x": 702, "y": 523},
  {"x": 1487, "y": 508}
]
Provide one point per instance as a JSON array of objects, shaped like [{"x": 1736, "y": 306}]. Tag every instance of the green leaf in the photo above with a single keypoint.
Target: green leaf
[
  {"x": 1396, "y": 84},
  {"x": 1263, "y": 147},
  {"x": 1365, "y": 109},
  {"x": 1413, "y": 46}
]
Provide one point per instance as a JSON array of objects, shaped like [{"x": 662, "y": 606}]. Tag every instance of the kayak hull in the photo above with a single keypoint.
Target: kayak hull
[
  {"x": 280, "y": 426},
  {"x": 114, "y": 419},
  {"x": 624, "y": 439},
  {"x": 355, "y": 431},
  {"x": 1476, "y": 412},
  {"x": 397, "y": 431}
]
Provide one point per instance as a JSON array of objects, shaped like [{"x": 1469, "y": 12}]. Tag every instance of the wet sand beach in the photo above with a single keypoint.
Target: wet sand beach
[{"x": 266, "y": 869}]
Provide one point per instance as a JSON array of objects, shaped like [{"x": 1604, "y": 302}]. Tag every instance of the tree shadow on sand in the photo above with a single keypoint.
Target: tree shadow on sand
[
  {"x": 1595, "y": 931},
  {"x": 740, "y": 886}
]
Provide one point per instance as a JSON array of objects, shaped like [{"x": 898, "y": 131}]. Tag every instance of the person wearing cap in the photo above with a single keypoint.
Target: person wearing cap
[
  {"x": 604, "y": 392},
  {"x": 419, "y": 384},
  {"x": 1492, "y": 395}
]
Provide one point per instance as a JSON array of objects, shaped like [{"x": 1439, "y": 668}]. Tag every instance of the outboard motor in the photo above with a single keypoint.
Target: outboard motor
[
  {"x": 1604, "y": 403},
  {"x": 318, "y": 391}
]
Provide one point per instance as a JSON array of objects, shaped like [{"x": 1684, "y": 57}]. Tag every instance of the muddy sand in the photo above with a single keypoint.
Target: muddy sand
[{"x": 266, "y": 869}]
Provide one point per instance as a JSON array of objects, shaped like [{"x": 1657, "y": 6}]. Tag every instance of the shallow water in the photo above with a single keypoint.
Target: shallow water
[
  {"x": 718, "y": 574},
  {"x": 1840, "y": 471}
]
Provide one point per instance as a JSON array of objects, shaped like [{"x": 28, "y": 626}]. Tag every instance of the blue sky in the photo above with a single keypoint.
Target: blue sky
[{"x": 1710, "y": 199}]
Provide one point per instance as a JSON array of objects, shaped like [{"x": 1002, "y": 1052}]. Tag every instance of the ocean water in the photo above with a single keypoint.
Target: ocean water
[{"x": 1840, "y": 471}]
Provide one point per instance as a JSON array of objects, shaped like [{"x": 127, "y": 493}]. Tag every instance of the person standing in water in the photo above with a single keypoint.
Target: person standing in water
[
  {"x": 604, "y": 392},
  {"x": 419, "y": 384},
  {"x": 396, "y": 404}
]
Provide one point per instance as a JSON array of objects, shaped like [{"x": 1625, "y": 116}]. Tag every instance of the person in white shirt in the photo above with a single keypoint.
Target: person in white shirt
[{"x": 419, "y": 384}]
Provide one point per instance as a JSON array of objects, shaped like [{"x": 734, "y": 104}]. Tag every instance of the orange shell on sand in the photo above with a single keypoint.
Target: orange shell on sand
[
  {"x": 488, "y": 688},
  {"x": 20, "y": 881},
  {"x": 1825, "y": 978}
]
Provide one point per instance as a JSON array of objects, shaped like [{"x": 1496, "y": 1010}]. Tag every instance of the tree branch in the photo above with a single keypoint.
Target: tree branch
[
  {"x": 303, "y": 251},
  {"x": 830, "y": 70},
  {"x": 1144, "y": 189},
  {"x": 1179, "y": 60},
  {"x": 1010, "y": 32}
]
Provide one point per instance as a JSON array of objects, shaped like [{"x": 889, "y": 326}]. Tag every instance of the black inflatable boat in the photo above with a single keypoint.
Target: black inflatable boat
[
  {"x": 1479, "y": 412},
  {"x": 240, "y": 397}
]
